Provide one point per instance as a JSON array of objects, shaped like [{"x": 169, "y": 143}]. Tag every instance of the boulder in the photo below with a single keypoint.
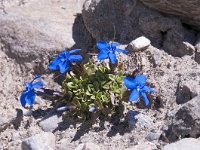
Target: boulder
[{"x": 188, "y": 11}]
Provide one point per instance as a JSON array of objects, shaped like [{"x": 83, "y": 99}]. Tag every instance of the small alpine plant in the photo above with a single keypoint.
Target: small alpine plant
[
  {"x": 29, "y": 94},
  {"x": 138, "y": 86},
  {"x": 63, "y": 61},
  {"x": 108, "y": 50},
  {"x": 92, "y": 87}
]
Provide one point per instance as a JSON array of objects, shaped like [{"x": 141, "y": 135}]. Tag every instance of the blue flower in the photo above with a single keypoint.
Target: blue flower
[
  {"x": 28, "y": 95},
  {"x": 138, "y": 85},
  {"x": 108, "y": 51},
  {"x": 63, "y": 61}
]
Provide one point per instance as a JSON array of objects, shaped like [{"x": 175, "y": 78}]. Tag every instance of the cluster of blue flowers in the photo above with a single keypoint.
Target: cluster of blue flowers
[{"x": 66, "y": 58}]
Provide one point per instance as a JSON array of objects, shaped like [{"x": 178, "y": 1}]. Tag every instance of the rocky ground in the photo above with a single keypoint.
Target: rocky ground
[{"x": 32, "y": 32}]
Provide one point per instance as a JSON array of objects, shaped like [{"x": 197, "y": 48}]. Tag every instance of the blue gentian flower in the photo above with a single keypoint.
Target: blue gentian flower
[
  {"x": 63, "y": 61},
  {"x": 28, "y": 95},
  {"x": 108, "y": 51},
  {"x": 138, "y": 85}
]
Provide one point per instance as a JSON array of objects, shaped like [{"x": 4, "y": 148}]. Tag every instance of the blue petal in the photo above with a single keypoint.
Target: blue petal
[
  {"x": 64, "y": 66},
  {"x": 129, "y": 83},
  {"x": 134, "y": 96},
  {"x": 147, "y": 89},
  {"x": 114, "y": 44},
  {"x": 121, "y": 50},
  {"x": 23, "y": 98},
  {"x": 102, "y": 55},
  {"x": 113, "y": 58},
  {"x": 74, "y": 51},
  {"x": 38, "y": 84},
  {"x": 36, "y": 77},
  {"x": 30, "y": 97},
  {"x": 74, "y": 58},
  {"x": 103, "y": 45},
  {"x": 54, "y": 63},
  {"x": 146, "y": 101},
  {"x": 141, "y": 80}
]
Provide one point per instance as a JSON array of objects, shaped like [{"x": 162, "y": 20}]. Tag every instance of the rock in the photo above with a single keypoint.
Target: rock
[
  {"x": 186, "y": 90},
  {"x": 197, "y": 46},
  {"x": 30, "y": 33},
  {"x": 128, "y": 20},
  {"x": 139, "y": 120},
  {"x": 184, "y": 144},
  {"x": 186, "y": 10},
  {"x": 186, "y": 122},
  {"x": 50, "y": 123},
  {"x": 139, "y": 44},
  {"x": 42, "y": 141},
  {"x": 87, "y": 146},
  {"x": 151, "y": 136}
]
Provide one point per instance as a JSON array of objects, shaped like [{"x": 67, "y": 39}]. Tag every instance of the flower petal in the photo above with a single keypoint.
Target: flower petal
[
  {"x": 54, "y": 64},
  {"x": 74, "y": 51},
  {"x": 147, "y": 89},
  {"x": 63, "y": 66},
  {"x": 113, "y": 58},
  {"x": 134, "y": 96},
  {"x": 129, "y": 83},
  {"x": 121, "y": 50},
  {"x": 23, "y": 98},
  {"x": 38, "y": 84},
  {"x": 146, "y": 101},
  {"x": 141, "y": 80},
  {"x": 36, "y": 77},
  {"x": 74, "y": 58},
  {"x": 114, "y": 44},
  {"x": 102, "y": 55},
  {"x": 102, "y": 45},
  {"x": 30, "y": 97}
]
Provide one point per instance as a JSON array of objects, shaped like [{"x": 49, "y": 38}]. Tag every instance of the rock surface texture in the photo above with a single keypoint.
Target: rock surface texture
[{"x": 188, "y": 11}]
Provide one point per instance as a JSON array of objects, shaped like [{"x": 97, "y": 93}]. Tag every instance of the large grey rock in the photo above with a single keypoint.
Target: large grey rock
[
  {"x": 124, "y": 21},
  {"x": 184, "y": 144},
  {"x": 42, "y": 141},
  {"x": 30, "y": 29},
  {"x": 188, "y": 11},
  {"x": 187, "y": 119}
]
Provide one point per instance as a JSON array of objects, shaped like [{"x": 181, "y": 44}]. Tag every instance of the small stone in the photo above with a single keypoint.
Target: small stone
[
  {"x": 87, "y": 146},
  {"x": 139, "y": 120},
  {"x": 42, "y": 141},
  {"x": 184, "y": 144},
  {"x": 153, "y": 136},
  {"x": 139, "y": 44},
  {"x": 51, "y": 123}
]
